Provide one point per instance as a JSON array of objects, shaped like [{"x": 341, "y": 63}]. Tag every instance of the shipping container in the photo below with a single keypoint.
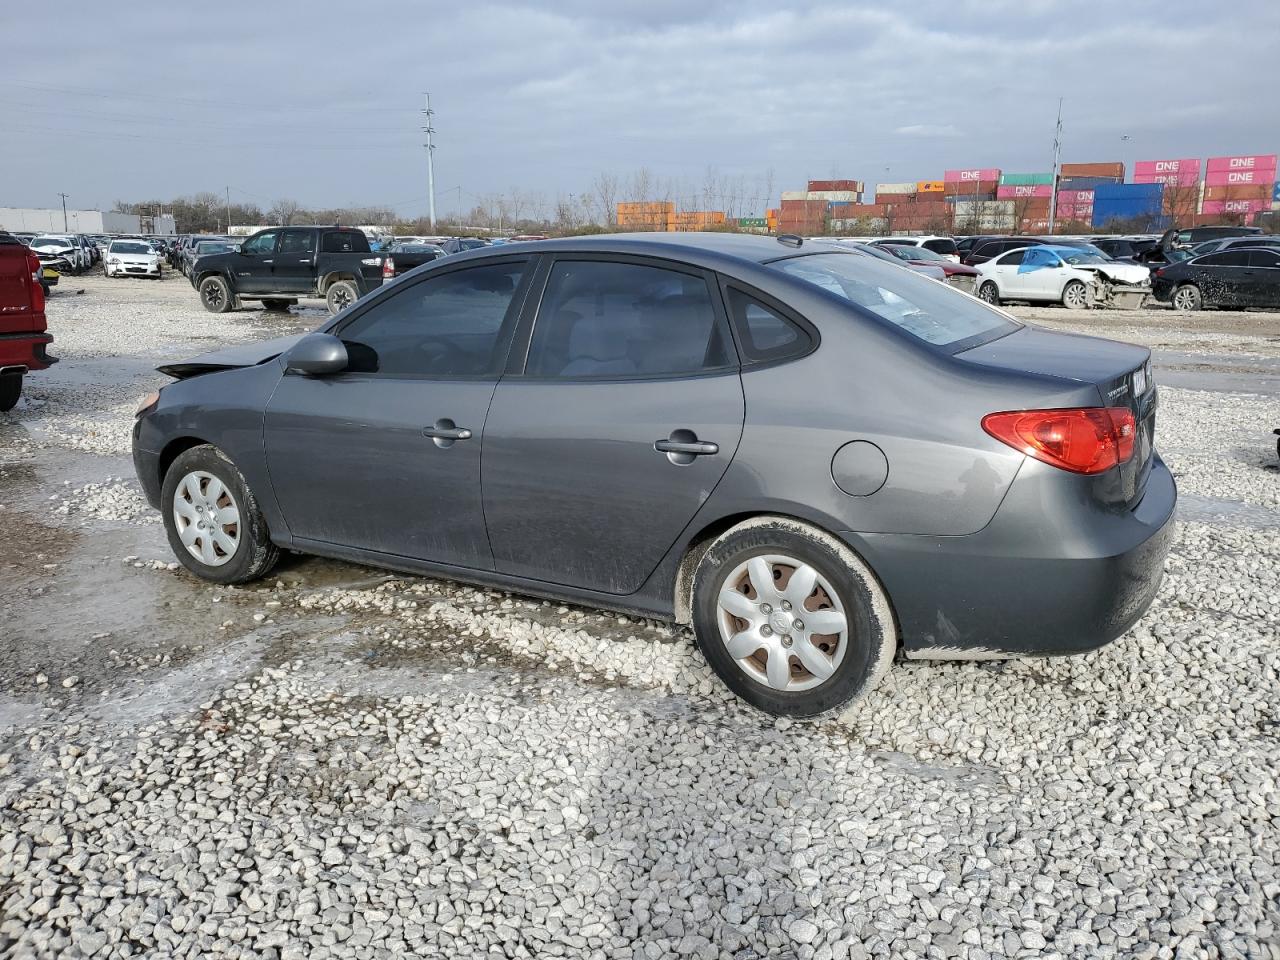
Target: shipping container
[
  {"x": 840, "y": 196},
  {"x": 1226, "y": 178},
  {"x": 993, "y": 207},
  {"x": 1181, "y": 172},
  {"x": 1086, "y": 183},
  {"x": 794, "y": 195},
  {"x": 896, "y": 187},
  {"x": 1252, "y": 191},
  {"x": 865, "y": 225},
  {"x": 1025, "y": 179},
  {"x": 968, "y": 176},
  {"x": 1113, "y": 170},
  {"x": 1016, "y": 191},
  {"x": 852, "y": 186},
  {"x": 850, "y": 211},
  {"x": 802, "y": 206},
  {"x": 930, "y": 186},
  {"x": 967, "y": 188},
  {"x": 1256, "y": 162},
  {"x": 1234, "y": 207},
  {"x": 1129, "y": 191}
]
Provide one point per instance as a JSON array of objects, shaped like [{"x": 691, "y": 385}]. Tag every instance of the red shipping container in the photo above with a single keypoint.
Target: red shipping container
[
  {"x": 967, "y": 188},
  {"x": 852, "y": 185},
  {"x": 1234, "y": 207},
  {"x": 804, "y": 207},
  {"x": 851, "y": 211},
  {"x": 969, "y": 176},
  {"x": 1093, "y": 170},
  {"x": 1255, "y": 191},
  {"x": 1228, "y": 178},
  {"x": 1018, "y": 191},
  {"x": 1261, "y": 162}
]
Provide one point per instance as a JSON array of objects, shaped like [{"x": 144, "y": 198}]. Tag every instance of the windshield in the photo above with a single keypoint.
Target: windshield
[
  {"x": 924, "y": 308},
  {"x": 1087, "y": 253},
  {"x": 214, "y": 246},
  {"x": 50, "y": 242},
  {"x": 904, "y": 252},
  {"x": 130, "y": 247},
  {"x": 414, "y": 248}
]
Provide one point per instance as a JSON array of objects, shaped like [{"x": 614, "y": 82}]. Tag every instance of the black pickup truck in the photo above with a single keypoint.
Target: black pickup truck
[{"x": 281, "y": 265}]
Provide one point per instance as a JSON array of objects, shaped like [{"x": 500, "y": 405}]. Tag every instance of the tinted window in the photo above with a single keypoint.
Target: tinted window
[
  {"x": 1264, "y": 258},
  {"x": 344, "y": 241},
  {"x": 763, "y": 332},
  {"x": 1012, "y": 259},
  {"x": 1228, "y": 258},
  {"x": 296, "y": 241},
  {"x": 455, "y": 324},
  {"x": 601, "y": 319},
  {"x": 943, "y": 245},
  {"x": 924, "y": 308},
  {"x": 262, "y": 243}
]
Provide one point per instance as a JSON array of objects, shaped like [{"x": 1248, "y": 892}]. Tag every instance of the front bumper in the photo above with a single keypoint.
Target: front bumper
[
  {"x": 1014, "y": 589},
  {"x": 146, "y": 463},
  {"x": 132, "y": 270}
]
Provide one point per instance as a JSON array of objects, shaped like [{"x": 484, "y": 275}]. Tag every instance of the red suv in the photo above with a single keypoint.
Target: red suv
[{"x": 22, "y": 325}]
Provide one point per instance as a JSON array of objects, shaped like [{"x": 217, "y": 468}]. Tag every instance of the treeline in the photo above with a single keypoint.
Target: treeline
[{"x": 207, "y": 213}]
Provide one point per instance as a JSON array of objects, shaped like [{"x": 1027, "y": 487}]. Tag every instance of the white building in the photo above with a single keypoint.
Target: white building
[{"x": 50, "y": 220}]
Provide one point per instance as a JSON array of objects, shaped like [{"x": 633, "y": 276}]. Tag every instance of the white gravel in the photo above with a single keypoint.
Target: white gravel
[{"x": 406, "y": 767}]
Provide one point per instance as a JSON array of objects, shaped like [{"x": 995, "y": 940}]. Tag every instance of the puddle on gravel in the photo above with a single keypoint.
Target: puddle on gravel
[
  {"x": 1217, "y": 372},
  {"x": 1234, "y": 513}
]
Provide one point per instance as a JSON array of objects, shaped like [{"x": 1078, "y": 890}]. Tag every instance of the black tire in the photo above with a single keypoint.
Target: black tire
[
  {"x": 341, "y": 295},
  {"x": 215, "y": 294},
  {"x": 871, "y": 635},
  {"x": 1075, "y": 296},
  {"x": 1187, "y": 297},
  {"x": 989, "y": 293},
  {"x": 10, "y": 391},
  {"x": 255, "y": 554},
  {"x": 275, "y": 304}
]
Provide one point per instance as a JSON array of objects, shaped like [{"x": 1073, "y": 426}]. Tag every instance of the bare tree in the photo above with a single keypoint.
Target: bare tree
[
  {"x": 283, "y": 211},
  {"x": 604, "y": 192}
]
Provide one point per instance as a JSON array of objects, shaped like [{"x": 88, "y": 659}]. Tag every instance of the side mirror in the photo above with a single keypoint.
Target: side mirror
[{"x": 316, "y": 355}]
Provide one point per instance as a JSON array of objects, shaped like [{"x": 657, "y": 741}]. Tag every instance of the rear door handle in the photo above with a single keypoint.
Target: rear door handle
[
  {"x": 304, "y": 259},
  {"x": 445, "y": 433},
  {"x": 683, "y": 447}
]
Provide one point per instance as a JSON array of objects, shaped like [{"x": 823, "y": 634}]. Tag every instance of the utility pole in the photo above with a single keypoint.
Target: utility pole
[
  {"x": 429, "y": 130},
  {"x": 65, "y": 228},
  {"x": 1057, "y": 156},
  {"x": 228, "y": 211}
]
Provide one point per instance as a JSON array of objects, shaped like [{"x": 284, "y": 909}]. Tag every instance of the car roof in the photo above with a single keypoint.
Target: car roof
[{"x": 706, "y": 248}]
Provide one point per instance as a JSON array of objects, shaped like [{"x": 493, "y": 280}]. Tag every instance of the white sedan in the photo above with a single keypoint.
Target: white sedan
[
  {"x": 131, "y": 258},
  {"x": 1075, "y": 277}
]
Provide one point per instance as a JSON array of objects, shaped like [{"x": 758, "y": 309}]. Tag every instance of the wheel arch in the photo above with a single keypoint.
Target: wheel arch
[
  {"x": 329, "y": 279},
  {"x": 174, "y": 449}
]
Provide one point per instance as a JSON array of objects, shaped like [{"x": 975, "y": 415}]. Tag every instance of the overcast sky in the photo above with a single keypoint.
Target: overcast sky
[{"x": 319, "y": 101}]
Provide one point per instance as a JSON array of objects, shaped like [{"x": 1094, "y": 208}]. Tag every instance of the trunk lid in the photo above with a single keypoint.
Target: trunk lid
[
  {"x": 1121, "y": 372},
  {"x": 18, "y": 312}
]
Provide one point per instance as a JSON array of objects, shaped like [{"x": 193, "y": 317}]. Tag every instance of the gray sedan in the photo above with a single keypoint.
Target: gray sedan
[{"x": 817, "y": 459}]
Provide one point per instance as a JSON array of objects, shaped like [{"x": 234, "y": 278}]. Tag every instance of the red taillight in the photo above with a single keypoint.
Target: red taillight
[
  {"x": 37, "y": 289},
  {"x": 1160, "y": 272},
  {"x": 388, "y": 268},
  {"x": 1087, "y": 440}
]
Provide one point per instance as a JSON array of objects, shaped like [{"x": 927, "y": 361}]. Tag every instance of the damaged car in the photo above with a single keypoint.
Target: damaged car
[
  {"x": 817, "y": 459},
  {"x": 1236, "y": 278},
  {"x": 1073, "y": 276}
]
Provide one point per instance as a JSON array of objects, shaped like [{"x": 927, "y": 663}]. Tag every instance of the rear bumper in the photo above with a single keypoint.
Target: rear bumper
[
  {"x": 26, "y": 350},
  {"x": 1015, "y": 589}
]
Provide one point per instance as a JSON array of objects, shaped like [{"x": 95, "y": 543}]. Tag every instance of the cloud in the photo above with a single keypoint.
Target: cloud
[{"x": 934, "y": 130}]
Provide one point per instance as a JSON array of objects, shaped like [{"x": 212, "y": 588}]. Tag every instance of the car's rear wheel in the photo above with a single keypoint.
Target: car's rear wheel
[
  {"x": 212, "y": 518},
  {"x": 989, "y": 293},
  {"x": 215, "y": 294},
  {"x": 1188, "y": 297},
  {"x": 1075, "y": 296},
  {"x": 10, "y": 391},
  {"x": 341, "y": 295},
  {"x": 791, "y": 619}
]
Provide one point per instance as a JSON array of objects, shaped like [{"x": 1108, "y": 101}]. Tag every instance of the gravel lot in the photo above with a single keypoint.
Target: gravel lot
[{"x": 342, "y": 762}]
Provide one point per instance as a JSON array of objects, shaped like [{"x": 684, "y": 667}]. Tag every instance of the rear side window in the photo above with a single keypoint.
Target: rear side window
[
  {"x": 928, "y": 310},
  {"x": 604, "y": 319},
  {"x": 296, "y": 241},
  {"x": 1264, "y": 258},
  {"x": 763, "y": 333},
  {"x": 1228, "y": 258},
  {"x": 344, "y": 241},
  {"x": 943, "y": 245},
  {"x": 456, "y": 324}
]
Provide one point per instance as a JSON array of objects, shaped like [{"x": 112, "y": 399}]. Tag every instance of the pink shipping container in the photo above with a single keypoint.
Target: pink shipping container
[
  {"x": 1076, "y": 197},
  {"x": 967, "y": 176},
  {"x": 1256, "y": 162},
  {"x": 1168, "y": 179},
  {"x": 1020, "y": 191},
  {"x": 1247, "y": 207},
  {"x": 1239, "y": 178},
  {"x": 1182, "y": 172}
]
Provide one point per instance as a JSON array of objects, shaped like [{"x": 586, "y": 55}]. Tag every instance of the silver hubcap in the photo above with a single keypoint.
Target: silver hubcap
[
  {"x": 782, "y": 622},
  {"x": 1075, "y": 295},
  {"x": 207, "y": 518},
  {"x": 1182, "y": 299},
  {"x": 988, "y": 293}
]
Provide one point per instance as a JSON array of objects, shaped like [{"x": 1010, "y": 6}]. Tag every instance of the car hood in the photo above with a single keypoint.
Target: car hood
[
  {"x": 241, "y": 355},
  {"x": 141, "y": 257},
  {"x": 1122, "y": 272}
]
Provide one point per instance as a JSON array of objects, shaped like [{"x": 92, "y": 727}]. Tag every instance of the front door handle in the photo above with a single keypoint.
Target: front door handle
[
  {"x": 683, "y": 446},
  {"x": 446, "y": 433},
  {"x": 268, "y": 261},
  {"x": 304, "y": 259}
]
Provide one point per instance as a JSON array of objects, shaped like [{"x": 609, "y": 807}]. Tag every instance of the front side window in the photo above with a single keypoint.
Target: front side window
[
  {"x": 1012, "y": 259},
  {"x": 262, "y": 243},
  {"x": 456, "y": 324},
  {"x": 928, "y": 310},
  {"x": 943, "y": 245},
  {"x": 603, "y": 319}
]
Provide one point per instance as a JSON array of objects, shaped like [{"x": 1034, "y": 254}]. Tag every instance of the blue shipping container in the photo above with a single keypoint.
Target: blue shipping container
[
  {"x": 1146, "y": 192},
  {"x": 1104, "y": 211}
]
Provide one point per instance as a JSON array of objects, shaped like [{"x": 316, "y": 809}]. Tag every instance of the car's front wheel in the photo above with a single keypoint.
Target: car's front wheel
[
  {"x": 212, "y": 518},
  {"x": 215, "y": 294},
  {"x": 989, "y": 293},
  {"x": 1075, "y": 296},
  {"x": 1188, "y": 297},
  {"x": 790, "y": 618}
]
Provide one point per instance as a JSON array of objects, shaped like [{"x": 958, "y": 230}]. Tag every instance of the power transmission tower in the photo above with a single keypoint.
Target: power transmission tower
[
  {"x": 64, "y": 212},
  {"x": 1057, "y": 156},
  {"x": 429, "y": 130}
]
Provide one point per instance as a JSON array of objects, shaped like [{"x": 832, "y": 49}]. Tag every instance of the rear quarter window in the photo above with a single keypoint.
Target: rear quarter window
[{"x": 344, "y": 241}]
